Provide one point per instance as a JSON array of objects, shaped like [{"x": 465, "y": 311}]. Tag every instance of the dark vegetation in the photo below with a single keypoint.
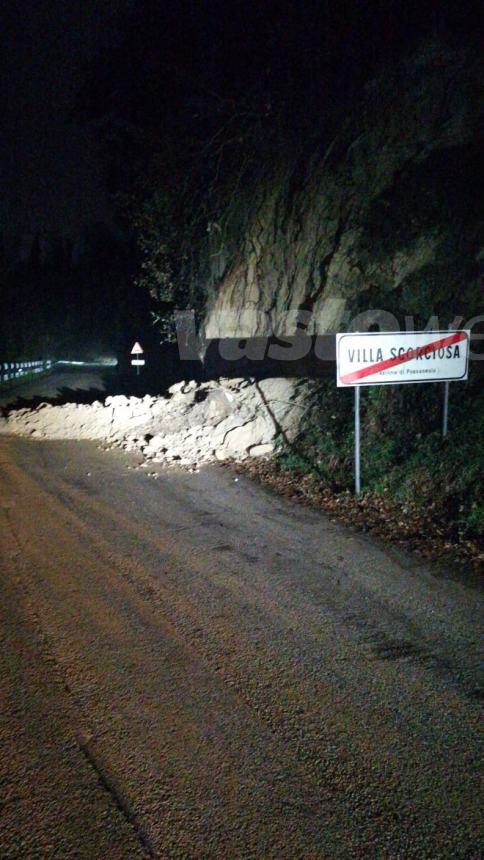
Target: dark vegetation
[{"x": 436, "y": 483}]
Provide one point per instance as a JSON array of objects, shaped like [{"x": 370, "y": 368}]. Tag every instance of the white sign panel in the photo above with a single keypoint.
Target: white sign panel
[
  {"x": 381, "y": 358},
  {"x": 138, "y": 361},
  {"x": 137, "y": 349}
]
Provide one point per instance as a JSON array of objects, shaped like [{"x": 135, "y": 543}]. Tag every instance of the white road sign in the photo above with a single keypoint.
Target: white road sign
[
  {"x": 382, "y": 358},
  {"x": 137, "y": 349},
  {"x": 138, "y": 361}
]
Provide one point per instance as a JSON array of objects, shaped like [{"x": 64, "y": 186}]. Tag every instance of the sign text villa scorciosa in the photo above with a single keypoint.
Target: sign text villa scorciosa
[{"x": 379, "y": 358}]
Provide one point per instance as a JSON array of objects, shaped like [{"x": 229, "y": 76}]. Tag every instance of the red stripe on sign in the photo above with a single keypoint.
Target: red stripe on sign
[{"x": 401, "y": 359}]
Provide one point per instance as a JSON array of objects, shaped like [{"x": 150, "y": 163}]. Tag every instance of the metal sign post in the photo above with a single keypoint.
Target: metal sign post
[
  {"x": 357, "y": 441},
  {"x": 396, "y": 358},
  {"x": 445, "y": 419},
  {"x": 137, "y": 362}
]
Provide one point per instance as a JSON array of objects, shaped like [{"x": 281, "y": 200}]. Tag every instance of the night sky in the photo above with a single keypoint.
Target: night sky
[
  {"x": 50, "y": 179},
  {"x": 50, "y": 174}
]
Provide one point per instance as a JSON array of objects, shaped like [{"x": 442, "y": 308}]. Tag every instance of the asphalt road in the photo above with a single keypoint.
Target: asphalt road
[
  {"x": 60, "y": 384},
  {"x": 191, "y": 667}
]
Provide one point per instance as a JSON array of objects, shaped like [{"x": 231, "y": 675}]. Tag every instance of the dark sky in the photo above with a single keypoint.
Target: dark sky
[
  {"x": 48, "y": 173},
  {"x": 48, "y": 169}
]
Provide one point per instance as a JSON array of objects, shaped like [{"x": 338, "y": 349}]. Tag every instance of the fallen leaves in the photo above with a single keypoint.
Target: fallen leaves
[{"x": 381, "y": 515}]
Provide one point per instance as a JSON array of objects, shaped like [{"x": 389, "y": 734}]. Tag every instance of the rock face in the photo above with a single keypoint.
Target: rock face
[
  {"x": 197, "y": 423},
  {"x": 385, "y": 217}
]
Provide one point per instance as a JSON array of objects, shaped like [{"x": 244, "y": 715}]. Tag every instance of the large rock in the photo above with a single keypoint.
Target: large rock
[
  {"x": 386, "y": 216},
  {"x": 196, "y": 423}
]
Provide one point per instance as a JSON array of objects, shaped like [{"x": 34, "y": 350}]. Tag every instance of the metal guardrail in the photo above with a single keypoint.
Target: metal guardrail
[
  {"x": 11, "y": 370},
  {"x": 17, "y": 369}
]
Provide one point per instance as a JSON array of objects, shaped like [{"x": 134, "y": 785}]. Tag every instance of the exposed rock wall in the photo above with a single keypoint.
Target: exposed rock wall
[{"x": 384, "y": 216}]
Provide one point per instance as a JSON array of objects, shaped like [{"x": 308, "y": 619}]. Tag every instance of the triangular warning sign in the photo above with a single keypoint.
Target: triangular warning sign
[{"x": 137, "y": 349}]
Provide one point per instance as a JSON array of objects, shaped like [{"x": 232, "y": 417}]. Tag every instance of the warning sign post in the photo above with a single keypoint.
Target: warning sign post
[
  {"x": 137, "y": 362},
  {"x": 396, "y": 358}
]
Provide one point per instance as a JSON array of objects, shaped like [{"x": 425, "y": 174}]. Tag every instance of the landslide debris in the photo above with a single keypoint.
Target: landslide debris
[{"x": 196, "y": 423}]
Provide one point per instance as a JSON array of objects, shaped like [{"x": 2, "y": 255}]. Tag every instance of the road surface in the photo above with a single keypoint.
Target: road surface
[
  {"x": 60, "y": 384},
  {"x": 191, "y": 667}
]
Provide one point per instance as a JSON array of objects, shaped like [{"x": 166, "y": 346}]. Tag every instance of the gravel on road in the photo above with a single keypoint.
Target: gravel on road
[{"x": 192, "y": 667}]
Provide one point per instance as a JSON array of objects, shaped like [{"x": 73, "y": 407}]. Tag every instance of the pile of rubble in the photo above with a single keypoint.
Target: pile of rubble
[{"x": 196, "y": 423}]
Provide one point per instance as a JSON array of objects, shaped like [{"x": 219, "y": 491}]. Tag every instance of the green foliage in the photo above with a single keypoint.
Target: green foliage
[
  {"x": 325, "y": 444},
  {"x": 403, "y": 454},
  {"x": 154, "y": 225},
  {"x": 431, "y": 214}
]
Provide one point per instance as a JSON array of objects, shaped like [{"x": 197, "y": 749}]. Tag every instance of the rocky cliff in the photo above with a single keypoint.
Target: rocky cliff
[{"x": 384, "y": 215}]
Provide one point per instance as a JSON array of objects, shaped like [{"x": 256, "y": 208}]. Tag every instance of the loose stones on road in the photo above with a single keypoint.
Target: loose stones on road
[{"x": 196, "y": 423}]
